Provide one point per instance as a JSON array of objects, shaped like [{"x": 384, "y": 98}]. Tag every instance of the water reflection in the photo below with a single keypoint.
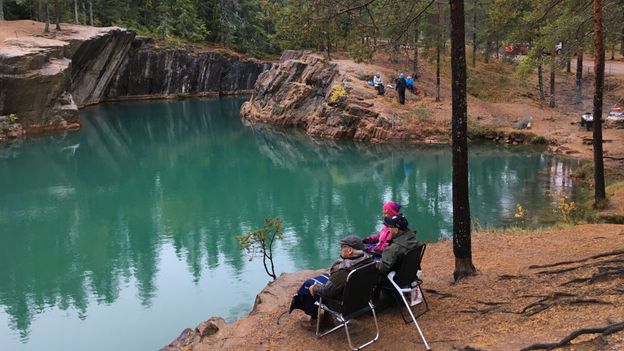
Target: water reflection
[{"x": 84, "y": 215}]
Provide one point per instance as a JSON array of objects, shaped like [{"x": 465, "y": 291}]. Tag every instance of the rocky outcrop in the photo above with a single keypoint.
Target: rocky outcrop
[
  {"x": 45, "y": 79},
  {"x": 151, "y": 71},
  {"x": 306, "y": 91}
]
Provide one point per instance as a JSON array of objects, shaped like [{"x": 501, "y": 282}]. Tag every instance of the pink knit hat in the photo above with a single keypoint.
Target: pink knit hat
[{"x": 392, "y": 208}]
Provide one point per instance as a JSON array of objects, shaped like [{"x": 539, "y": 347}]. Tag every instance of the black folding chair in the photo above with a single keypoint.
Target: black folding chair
[
  {"x": 404, "y": 280},
  {"x": 356, "y": 300}
]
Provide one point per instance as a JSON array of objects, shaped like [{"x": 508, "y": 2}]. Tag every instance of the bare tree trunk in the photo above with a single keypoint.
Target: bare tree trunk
[
  {"x": 47, "y": 23},
  {"x": 57, "y": 15},
  {"x": 599, "y": 65},
  {"x": 415, "y": 64},
  {"x": 488, "y": 47},
  {"x": 578, "y": 97},
  {"x": 90, "y": 12},
  {"x": 540, "y": 82},
  {"x": 613, "y": 51},
  {"x": 551, "y": 101},
  {"x": 76, "y": 12},
  {"x": 497, "y": 48},
  {"x": 474, "y": 34},
  {"x": 568, "y": 65},
  {"x": 438, "y": 38},
  {"x": 622, "y": 41},
  {"x": 1, "y": 10},
  {"x": 461, "y": 205}
]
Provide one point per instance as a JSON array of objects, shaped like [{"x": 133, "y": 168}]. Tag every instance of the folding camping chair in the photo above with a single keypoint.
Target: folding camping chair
[
  {"x": 356, "y": 300},
  {"x": 405, "y": 279}
]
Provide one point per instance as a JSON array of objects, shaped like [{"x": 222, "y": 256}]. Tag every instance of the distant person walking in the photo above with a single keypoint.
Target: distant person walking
[{"x": 401, "y": 84}]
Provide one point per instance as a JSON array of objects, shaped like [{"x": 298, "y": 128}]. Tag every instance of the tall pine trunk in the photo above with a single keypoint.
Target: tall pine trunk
[
  {"x": 415, "y": 63},
  {"x": 474, "y": 34},
  {"x": 540, "y": 82},
  {"x": 90, "y": 12},
  {"x": 551, "y": 101},
  {"x": 57, "y": 14},
  {"x": 599, "y": 65},
  {"x": 578, "y": 96},
  {"x": 622, "y": 39},
  {"x": 1, "y": 10},
  {"x": 438, "y": 38},
  {"x": 47, "y": 23},
  {"x": 461, "y": 205},
  {"x": 76, "y": 12}
]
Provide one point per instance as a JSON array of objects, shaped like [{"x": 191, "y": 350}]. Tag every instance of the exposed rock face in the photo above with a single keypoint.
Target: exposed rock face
[
  {"x": 149, "y": 71},
  {"x": 44, "y": 81},
  {"x": 297, "y": 92}
]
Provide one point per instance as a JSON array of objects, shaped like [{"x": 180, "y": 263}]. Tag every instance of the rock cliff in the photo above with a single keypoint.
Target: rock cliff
[
  {"x": 46, "y": 78},
  {"x": 306, "y": 91}
]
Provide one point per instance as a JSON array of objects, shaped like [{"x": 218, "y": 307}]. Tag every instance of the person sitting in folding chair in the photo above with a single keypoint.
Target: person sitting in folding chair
[
  {"x": 402, "y": 240},
  {"x": 352, "y": 256}
]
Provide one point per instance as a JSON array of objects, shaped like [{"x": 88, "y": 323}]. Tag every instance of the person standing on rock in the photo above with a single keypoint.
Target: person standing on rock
[
  {"x": 378, "y": 84},
  {"x": 401, "y": 84}
]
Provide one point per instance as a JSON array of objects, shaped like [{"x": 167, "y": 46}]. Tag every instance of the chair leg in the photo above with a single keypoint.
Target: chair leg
[
  {"x": 422, "y": 336},
  {"x": 346, "y": 325}
]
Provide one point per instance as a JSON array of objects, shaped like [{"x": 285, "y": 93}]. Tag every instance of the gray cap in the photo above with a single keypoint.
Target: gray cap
[{"x": 352, "y": 241}]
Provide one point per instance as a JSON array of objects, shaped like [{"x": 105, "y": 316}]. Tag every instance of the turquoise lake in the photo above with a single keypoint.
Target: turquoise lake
[{"x": 119, "y": 236}]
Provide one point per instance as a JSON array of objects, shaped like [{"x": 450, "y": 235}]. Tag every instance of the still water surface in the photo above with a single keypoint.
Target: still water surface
[{"x": 122, "y": 234}]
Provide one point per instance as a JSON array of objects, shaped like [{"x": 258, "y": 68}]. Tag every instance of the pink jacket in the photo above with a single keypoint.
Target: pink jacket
[{"x": 380, "y": 238}]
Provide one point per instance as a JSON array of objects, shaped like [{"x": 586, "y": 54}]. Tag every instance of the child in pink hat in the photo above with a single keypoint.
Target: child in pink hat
[{"x": 377, "y": 243}]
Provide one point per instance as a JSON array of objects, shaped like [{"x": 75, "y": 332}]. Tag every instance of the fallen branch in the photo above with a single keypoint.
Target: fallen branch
[
  {"x": 609, "y": 329},
  {"x": 510, "y": 277},
  {"x": 442, "y": 294},
  {"x": 603, "y": 272},
  {"x": 492, "y": 303},
  {"x": 610, "y": 253}
]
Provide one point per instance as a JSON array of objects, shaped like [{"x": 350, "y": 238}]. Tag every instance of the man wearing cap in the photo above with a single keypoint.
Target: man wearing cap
[
  {"x": 352, "y": 256},
  {"x": 402, "y": 240}
]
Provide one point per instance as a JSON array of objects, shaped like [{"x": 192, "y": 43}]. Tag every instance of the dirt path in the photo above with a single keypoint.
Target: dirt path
[{"x": 509, "y": 305}]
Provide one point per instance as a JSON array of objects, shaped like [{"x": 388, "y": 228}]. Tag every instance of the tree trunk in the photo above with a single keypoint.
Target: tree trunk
[
  {"x": 488, "y": 47},
  {"x": 76, "y": 12},
  {"x": 1, "y": 10},
  {"x": 540, "y": 82},
  {"x": 474, "y": 34},
  {"x": 57, "y": 15},
  {"x": 461, "y": 205},
  {"x": 578, "y": 97},
  {"x": 599, "y": 65},
  {"x": 622, "y": 42},
  {"x": 613, "y": 51},
  {"x": 497, "y": 48},
  {"x": 438, "y": 38},
  {"x": 568, "y": 65},
  {"x": 415, "y": 64},
  {"x": 90, "y": 12},
  {"x": 47, "y": 23},
  {"x": 551, "y": 101}
]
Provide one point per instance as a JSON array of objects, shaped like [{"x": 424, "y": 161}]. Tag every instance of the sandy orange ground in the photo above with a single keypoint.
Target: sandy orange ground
[{"x": 482, "y": 312}]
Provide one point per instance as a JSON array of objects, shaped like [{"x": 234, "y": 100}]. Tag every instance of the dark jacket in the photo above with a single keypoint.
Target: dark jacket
[
  {"x": 397, "y": 248},
  {"x": 338, "y": 275},
  {"x": 401, "y": 84}
]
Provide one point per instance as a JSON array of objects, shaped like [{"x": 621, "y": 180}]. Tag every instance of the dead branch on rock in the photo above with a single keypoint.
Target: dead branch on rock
[
  {"x": 609, "y": 329},
  {"x": 605, "y": 254}
]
